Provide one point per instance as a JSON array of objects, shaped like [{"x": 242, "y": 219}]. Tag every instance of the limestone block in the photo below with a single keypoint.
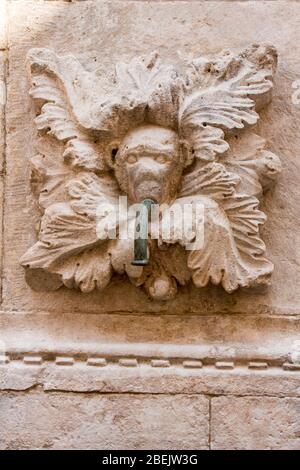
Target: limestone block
[
  {"x": 110, "y": 376},
  {"x": 68, "y": 421},
  {"x": 234, "y": 338},
  {"x": 255, "y": 423},
  {"x": 115, "y": 369},
  {"x": 19, "y": 377},
  {"x": 107, "y": 32},
  {"x": 3, "y": 69},
  {"x": 3, "y": 24}
]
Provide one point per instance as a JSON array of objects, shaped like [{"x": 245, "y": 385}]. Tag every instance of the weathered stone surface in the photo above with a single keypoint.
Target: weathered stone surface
[
  {"x": 255, "y": 423},
  {"x": 68, "y": 421},
  {"x": 19, "y": 377},
  {"x": 160, "y": 139},
  {"x": 112, "y": 377},
  {"x": 78, "y": 370},
  {"x": 119, "y": 29},
  {"x": 213, "y": 338},
  {"x": 3, "y": 24},
  {"x": 3, "y": 68}
]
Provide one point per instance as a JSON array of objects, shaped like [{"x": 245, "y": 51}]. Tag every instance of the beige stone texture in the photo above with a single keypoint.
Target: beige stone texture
[
  {"x": 60, "y": 421},
  {"x": 110, "y": 150},
  {"x": 107, "y": 32},
  {"x": 116, "y": 369},
  {"x": 3, "y": 25},
  {"x": 211, "y": 338},
  {"x": 251, "y": 423},
  {"x": 3, "y": 72},
  {"x": 112, "y": 376}
]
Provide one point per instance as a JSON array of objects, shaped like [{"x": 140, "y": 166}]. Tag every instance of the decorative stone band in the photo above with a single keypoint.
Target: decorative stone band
[
  {"x": 113, "y": 362},
  {"x": 158, "y": 342},
  {"x": 112, "y": 375}
]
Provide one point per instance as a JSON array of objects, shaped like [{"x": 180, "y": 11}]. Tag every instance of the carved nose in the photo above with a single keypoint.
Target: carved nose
[
  {"x": 141, "y": 233},
  {"x": 148, "y": 164}
]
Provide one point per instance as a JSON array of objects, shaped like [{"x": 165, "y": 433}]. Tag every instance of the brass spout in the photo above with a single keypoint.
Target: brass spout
[{"x": 141, "y": 233}]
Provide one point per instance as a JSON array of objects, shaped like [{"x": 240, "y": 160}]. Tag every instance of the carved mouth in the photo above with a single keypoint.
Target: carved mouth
[{"x": 148, "y": 188}]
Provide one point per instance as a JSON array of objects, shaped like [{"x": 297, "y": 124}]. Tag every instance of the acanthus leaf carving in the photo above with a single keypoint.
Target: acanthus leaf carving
[
  {"x": 162, "y": 133},
  {"x": 257, "y": 167}
]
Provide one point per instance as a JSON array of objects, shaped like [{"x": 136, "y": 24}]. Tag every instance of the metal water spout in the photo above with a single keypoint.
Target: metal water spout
[{"x": 141, "y": 233}]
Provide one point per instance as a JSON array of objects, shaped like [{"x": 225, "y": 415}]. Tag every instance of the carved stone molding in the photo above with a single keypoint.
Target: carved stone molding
[
  {"x": 156, "y": 376},
  {"x": 149, "y": 362},
  {"x": 171, "y": 134},
  {"x": 232, "y": 338}
]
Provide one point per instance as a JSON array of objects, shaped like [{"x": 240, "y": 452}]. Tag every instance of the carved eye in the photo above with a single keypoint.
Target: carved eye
[
  {"x": 161, "y": 159},
  {"x": 114, "y": 152},
  {"x": 131, "y": 158}
]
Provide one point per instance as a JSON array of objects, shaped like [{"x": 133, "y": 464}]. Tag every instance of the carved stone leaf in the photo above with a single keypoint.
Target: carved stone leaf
[
  {"x": 223, "y": 93},
  {"x": 86, "y": 271},
  {"x": 221, "y": 262},
  {"x": 144, "y": 75},
  {"x": 68, "y": 243},
  {"x": 88, "y": 192},
  {"x": 55, "y": 117},
  {"x": 232, "y": 250},
  {"x": 56, "y": 78},
  {"x": 48, "y": 180},
  {"x": 219, "y": 107},
  {"x": 226, "y": 267},
  {"x": 174, "y": 263},
  {"x": 59, "y": 102},
  {"x": 63, "y": 232},
  {"x": 257, "y": 167},
  {"x": 245, "y": 221},
  {"x": 206, "y": 141},
  {"x": 211, "y": 180},
  {"x": 83, "y": 153},
  {"x": 245, "y": 218},
  {"x": 154, "y": 85}
]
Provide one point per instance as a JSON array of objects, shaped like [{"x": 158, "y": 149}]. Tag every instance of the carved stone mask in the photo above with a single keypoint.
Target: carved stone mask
[
  {"x": 153, "y": 121},
  {"x": 149, "y": 164}
]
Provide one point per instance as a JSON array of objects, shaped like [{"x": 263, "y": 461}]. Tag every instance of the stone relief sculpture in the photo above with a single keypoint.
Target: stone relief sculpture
[{"x": 153, "y": 132}]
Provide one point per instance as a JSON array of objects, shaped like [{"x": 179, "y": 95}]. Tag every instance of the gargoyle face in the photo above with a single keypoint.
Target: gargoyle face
[{"x": 148, "y": 164}]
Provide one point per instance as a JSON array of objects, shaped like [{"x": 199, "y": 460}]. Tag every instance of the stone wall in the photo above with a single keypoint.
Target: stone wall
[{"x": 116, "y": 370}]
